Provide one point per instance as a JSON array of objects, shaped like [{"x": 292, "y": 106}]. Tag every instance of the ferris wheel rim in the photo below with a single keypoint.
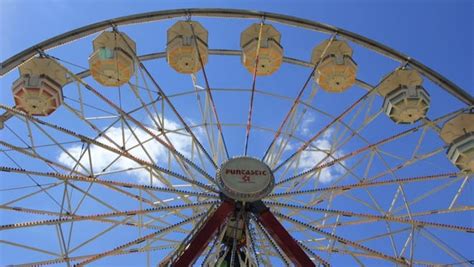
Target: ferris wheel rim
[
  {"x": 294, "y": 209},
  {"x": 78, "y": 33}
]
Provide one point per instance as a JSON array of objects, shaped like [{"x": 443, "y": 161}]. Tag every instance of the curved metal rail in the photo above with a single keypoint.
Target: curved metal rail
[{"x": 70, "y": 36}]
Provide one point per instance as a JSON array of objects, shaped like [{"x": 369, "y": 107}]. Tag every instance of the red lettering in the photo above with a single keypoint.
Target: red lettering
[{"x": 246, "y": 172}]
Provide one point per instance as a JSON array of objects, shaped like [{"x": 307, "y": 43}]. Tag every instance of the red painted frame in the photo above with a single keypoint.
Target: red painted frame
[
  {"x": 204, "y": 235},
  {"x": 264, "y": 216},
  {"x": 284, "y": 240}
]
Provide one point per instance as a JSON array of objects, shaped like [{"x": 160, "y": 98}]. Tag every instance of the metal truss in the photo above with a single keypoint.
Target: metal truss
[{"x": 175, "y": 207}]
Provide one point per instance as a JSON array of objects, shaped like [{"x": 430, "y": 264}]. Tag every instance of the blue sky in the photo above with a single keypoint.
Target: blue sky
[
  {"x": 438, "y": 33},
  {"x": 429, "y": 30}
]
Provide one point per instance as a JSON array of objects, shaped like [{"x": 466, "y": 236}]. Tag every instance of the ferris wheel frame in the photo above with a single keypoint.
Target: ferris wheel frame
[{"x": 71, "y": 36}]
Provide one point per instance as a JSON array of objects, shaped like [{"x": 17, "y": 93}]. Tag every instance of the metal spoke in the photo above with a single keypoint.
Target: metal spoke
[
  {"x": 116, "y": 151},
  {"x": 178, "y": 155},
  {"x": 275, "y": 248},
  {"x": 208, "y": 91},
  {"x": 252, "y": 94},
  {"x": 298, "y": 97},
  {"x": 366, "y": 148},
  {"x": 324, "y": 129},
  {"x": 163, "y": 95},
  {"x": 343, "y": 240},
  {"x": 29, "y": 247},
  {"x": 367, "y": 183},
  {"x": 377, "y": 217},
  {"x": 65, "y": 177},
  {"x": 134, "y": 160},
  {"x": 75, "y": 217},
  {"x": 117, "y": 249}
]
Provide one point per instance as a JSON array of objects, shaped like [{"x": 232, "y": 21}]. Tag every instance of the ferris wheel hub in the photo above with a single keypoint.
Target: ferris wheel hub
[{"x": 245, "y": 179}]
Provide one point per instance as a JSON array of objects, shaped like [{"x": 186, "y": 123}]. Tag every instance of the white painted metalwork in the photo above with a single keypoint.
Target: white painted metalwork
[{"x": 327, "y": 179}]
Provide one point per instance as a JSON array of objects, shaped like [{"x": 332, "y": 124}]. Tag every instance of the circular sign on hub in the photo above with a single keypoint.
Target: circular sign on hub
[{"x": 245, "y": 179}]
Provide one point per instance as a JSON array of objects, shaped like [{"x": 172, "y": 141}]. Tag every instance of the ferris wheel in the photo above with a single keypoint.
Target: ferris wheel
[{"x": 222, "y": 137}]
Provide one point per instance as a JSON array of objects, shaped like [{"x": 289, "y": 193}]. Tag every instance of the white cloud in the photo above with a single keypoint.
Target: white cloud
[
  {"x": 306, "y": 123},
  {"x": 101, "y": 158},
  {"x": 310, "y": 158},
  {"x": 313, "y": 157}
]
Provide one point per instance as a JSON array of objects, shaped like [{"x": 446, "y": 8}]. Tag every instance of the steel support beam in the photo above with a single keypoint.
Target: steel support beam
[
  {"x": 283, "y": 239},
  {"x": 203, "y": 236}
]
